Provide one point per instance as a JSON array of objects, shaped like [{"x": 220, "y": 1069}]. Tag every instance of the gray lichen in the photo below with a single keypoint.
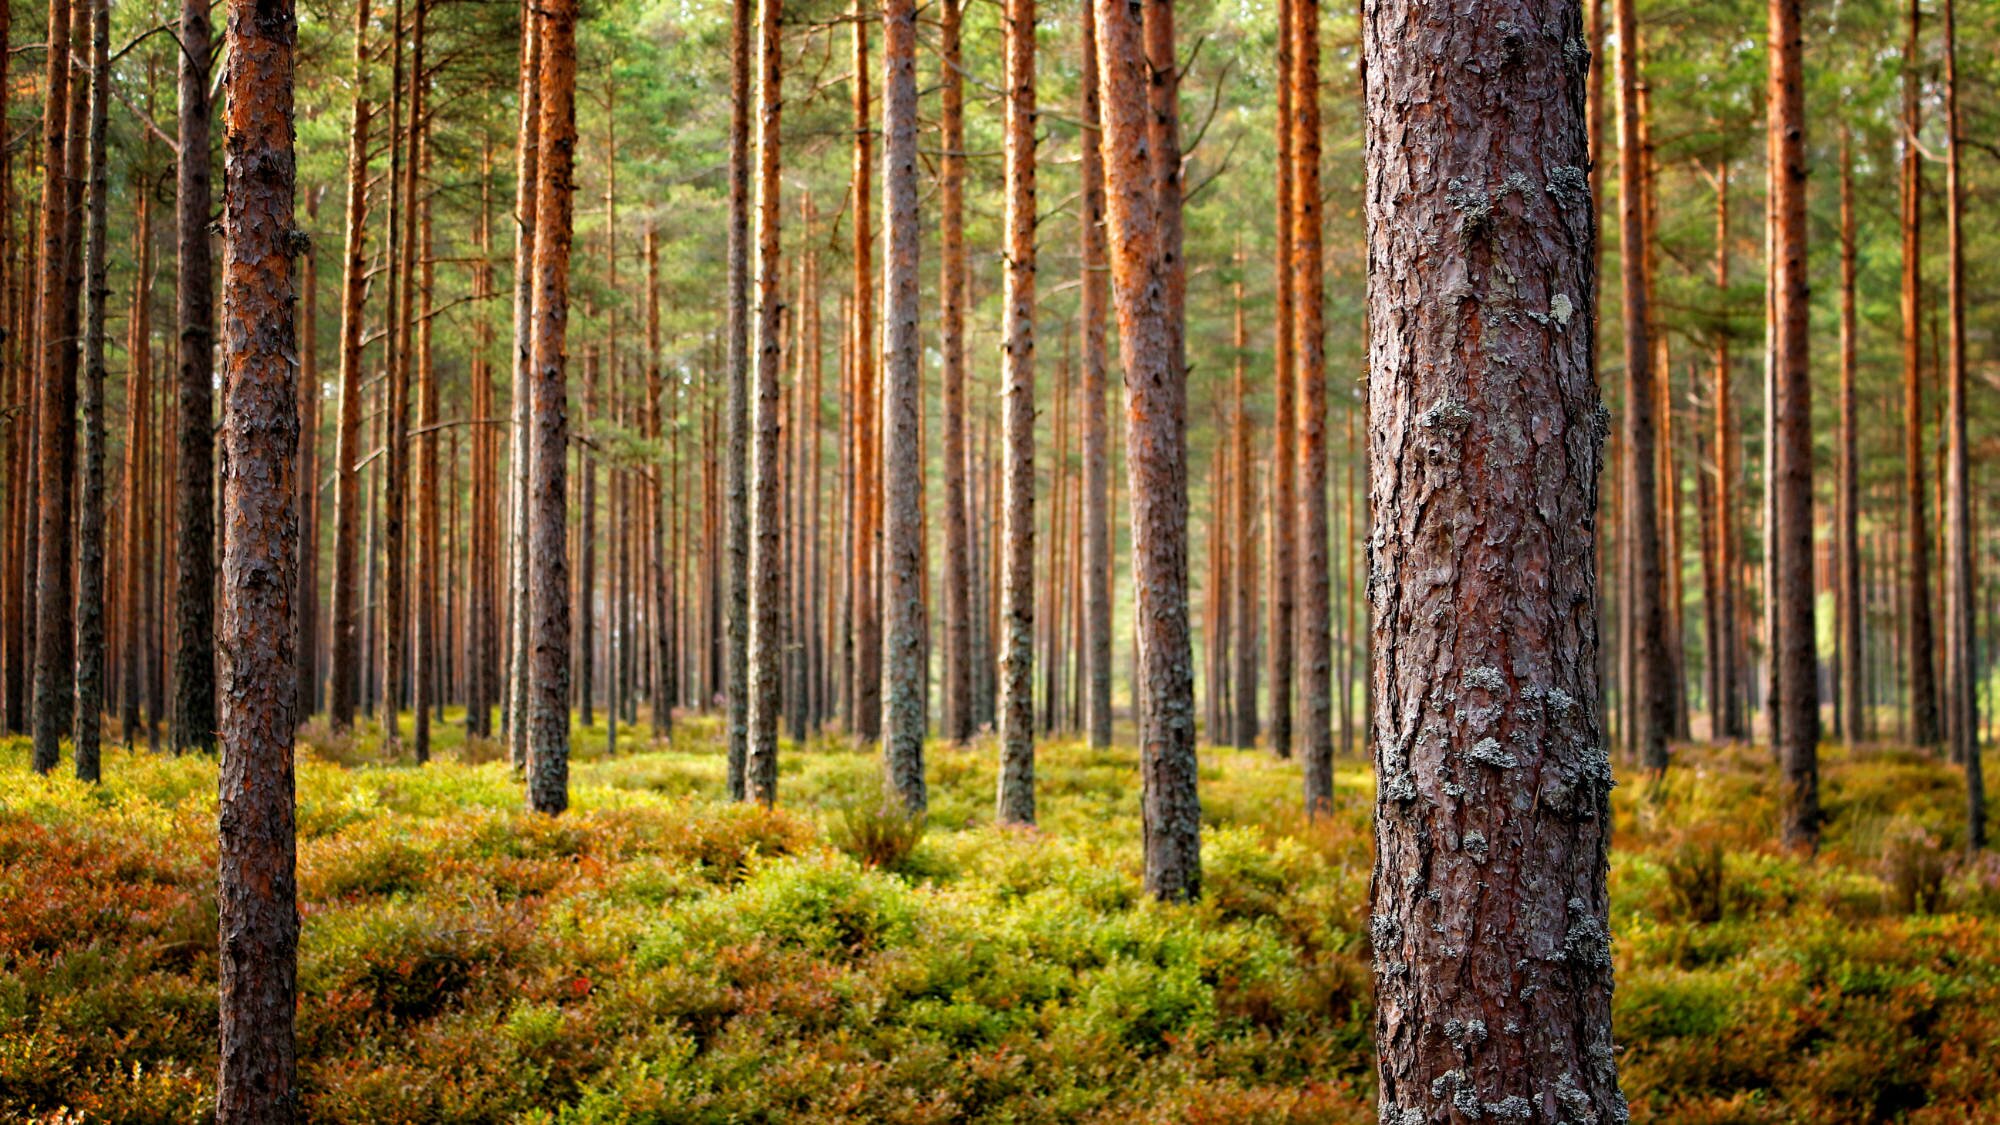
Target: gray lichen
[{"x": 1488, "y": 750}]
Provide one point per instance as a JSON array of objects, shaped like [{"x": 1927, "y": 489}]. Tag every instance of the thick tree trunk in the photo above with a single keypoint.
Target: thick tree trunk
[
  {"x": 1796, "y": 663},
  {"x": 1847, "y": 541},
  {"x": 555, "y": 208},
  {"x": 1923, "y": 692},
  {"x": 737, "y": 463},
  {"x": 1651, "y": 674},
  {"x": 87, "y": 722},
  {"x": 260, "y": 433},
  {"x": 344, "y": 672},
  {"x": 1961, "y": 651},
  {"x": 766, "y": 535},
  {"x": 867, "y": 681},
  {"x": 1492, "y": 952},
  {"x": 194, "y": 516},
  {"x": 904, "y": 662},
  {"x": 55, "y": 407},
  {"x": 1016, "y": 803},
  {"x": 1314, "y": 591},
  {"x": 1142, "y": 160},
  {"x": 951, "y": 348}
]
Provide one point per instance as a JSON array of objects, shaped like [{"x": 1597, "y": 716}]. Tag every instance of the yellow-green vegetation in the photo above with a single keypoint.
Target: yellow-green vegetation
[{"x": 657, "y": 955}]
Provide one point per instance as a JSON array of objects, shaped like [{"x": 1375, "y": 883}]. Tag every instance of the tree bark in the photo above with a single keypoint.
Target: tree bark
[
  {"x": 904, "y": 662},
  {"x": 1489, "y": 925},
  {"x": 55, "y": 407},
  {"x": 1848, "y": 489},
  {"x": 1244, "y": 721},
  {"x": 344, "y": 674},
  {"x": 1142, "y": 163},
  {"x": 194, "y": 516},
  {"x": 1016, "y": 802},
  {"x": 951, "y": 348},
  {"x": 1314, "y": 590},
  {"x": 555, "y": 208},
  {"x": 1096, "y": 431},
  {"x": 527, "y": 171},
  {"x": 1727, "y": 706},
  {"x": 766, "y": 535},
  {"x": 1923, "y": 706},
  {"x": 87, "y": 721},
  {"x": 1651, "y": 674},
  {"x": 136, "y": 635},
  {"x": 1284, "y": 414},
  {"x": 1962, "y": 652},
  {"x": 307, "y": 645},
  {"x": 260, "y": 432},
  {"x": 1796, "y": 662}
]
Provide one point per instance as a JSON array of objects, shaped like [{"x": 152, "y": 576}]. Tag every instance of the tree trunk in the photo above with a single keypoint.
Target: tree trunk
[
  {"x": 555, "y": 204},
  {"x": 1651, "y": 682},
  {"x": 1016, "y": 804},
  {"x": 194, "y": 515},
  {"x": 87, "y": 721},
  {"x": 1796, "y": 662},
  {"x": 344, "y": 674},
  {"x": 1244, "y": 721},
  {"x": 1309, "y": 352},
  {"x": 904, "y": 663},
  {"x": 1923, "y": 708},
  {"x": 1727, "y": 707},
  {"x": 766, "y": 535},
  {"x": 1485, "y": 618},
  {"x": 527, "y": 170},
  {"x": 1284, "y": 421},
  {"x": 1096, "y": 432},
  {"x": 55, "y": 411},
  {"x": 1964, "y": 674},
  {"x": 136, "y": 634},
  {"x": 422, "y": 456},
  {"x": 260, "y": 433},
  {"x": 306, "y": 647},
  {"x": 1137, "y": 78},
  {"x": 1848, "y": 490},
  {"x": 738, "y": 458},
  {"x": 951, "y": 348}
]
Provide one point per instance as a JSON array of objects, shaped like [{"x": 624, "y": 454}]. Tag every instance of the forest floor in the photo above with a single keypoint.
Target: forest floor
[{"x": 657, "y": 955}]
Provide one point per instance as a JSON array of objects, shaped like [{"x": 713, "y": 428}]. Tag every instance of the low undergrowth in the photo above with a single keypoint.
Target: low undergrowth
[{"x": 658, "y": 955}]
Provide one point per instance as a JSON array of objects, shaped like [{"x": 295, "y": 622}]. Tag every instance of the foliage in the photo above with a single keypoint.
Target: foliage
[{"x": 657, "y": 955}]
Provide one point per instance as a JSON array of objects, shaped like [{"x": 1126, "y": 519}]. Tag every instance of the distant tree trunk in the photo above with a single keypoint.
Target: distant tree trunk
[
  {"x": 1651, "y": 683},
  {"x": 1096, "y": 431},
  {"x": 737, "y": 463},
  {"x": 194, "y": 515},
  {"x": 1847, "y": 542},
  {"x": 766, "y": 535},
  {"x": 1796, "y": 662},
  {"x": 1486, "y": 738},
  {"x": 527, "y": 171},
  {"x": 135, "y": 637},
  {"x": 1961, "y": 651},
  {"x": 665, "y": 611},
  {"x": 307, "y": 644},
  {"x": 1727, "y": 706},
  {"x": 903, "y": 666},
  {"x": 1137, "y": 77},
  {"x": 1016, "y": 803},
  {"x": 260, "y": 432},
  {"x": 951, "y": 347},
  {"x": 13, "y": 436},
  {"x": 1284, "y": 422},
  {"x": 555, "y": 204},
  {"x": 1314, "y": 588},
  {"x": 422, "y": 462},
  {"x": 396, "y": 500},
  {"x": 867, "y": 683},
  {"x": 345, "y": 612},
  {"x": 1244, "y": 733},
  {"x": 1923, "y": 708},
  {"x": 483, "y": 614},
  {"x": 55, "y": 406},
  {"x": 87, "y": 722}
]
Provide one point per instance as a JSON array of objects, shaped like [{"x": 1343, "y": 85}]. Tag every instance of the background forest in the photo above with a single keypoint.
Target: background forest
[{"x": 664, "y": 954}]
